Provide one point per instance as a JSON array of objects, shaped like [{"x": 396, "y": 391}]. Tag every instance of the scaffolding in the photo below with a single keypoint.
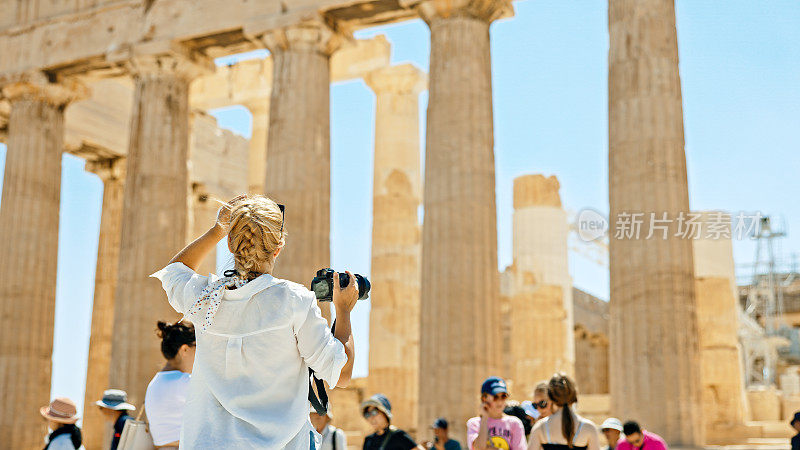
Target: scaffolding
[{"x": 764, "y": 308}]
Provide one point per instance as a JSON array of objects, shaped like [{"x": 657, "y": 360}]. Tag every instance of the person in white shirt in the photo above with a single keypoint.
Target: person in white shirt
[
  {"x": 166, "y": 394},
  {"x": 332, "y": 438},
  {"x": 257, "y": 336}
]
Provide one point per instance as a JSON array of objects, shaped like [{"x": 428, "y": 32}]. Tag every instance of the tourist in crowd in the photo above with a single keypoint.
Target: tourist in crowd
[
  {"x": 377, "y": 411},
  {"x": 441, "y": 437},
  {"x": 257, "y": 336},
  {"x": 492, "y": 428},
  {"x": 332, "y": 438},
  {"x": 564, "y": 429},
  {"x": 166, "y": 394},
  {"x": 636, "y": 438},
  {"x": 795, "y": 424},
  {"x": 61, "y": 415},
  {"x": 541, "y": 401},
  {"x": 114, "y": 406},
  {"x": 515, "y": 409},
  {"x": 612, "y": 430}
]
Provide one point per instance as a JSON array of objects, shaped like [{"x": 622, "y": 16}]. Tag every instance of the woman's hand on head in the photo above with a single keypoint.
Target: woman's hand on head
[
  {"x": 224, "y": 213},
  {"x": 345, "y": 299}
]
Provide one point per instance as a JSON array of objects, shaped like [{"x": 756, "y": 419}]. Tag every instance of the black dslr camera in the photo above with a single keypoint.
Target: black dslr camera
[{"x": 322, "y": 284}]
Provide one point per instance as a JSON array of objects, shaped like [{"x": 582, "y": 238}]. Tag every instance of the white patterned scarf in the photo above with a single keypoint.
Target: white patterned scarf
[{"x": 211, "y": 296}]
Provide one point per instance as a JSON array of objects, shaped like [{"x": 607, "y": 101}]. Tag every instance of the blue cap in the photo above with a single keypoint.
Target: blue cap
[
  {"x": 494, "y": 386},
  {"x": 796, "y": 418},
  {"x": 381, "y": 402},
  {"x": 441, "y": 422}
]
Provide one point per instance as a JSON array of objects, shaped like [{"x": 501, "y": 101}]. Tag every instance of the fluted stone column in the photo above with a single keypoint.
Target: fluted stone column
[
  {"x": 298, "y": 149},
  {"x": 394, "y": 317},
  {"x": 542, "y": 325},
  {"x": 155, "y": 216},
  {"x": 112, "y": 172},
  {"x": 460, "y": 339},
  {"x": 654, "y": 343},
  {"x": 257, "y": 162},
  {"x": 722, "y": 374},
  {"x": 29, "y": 249}
]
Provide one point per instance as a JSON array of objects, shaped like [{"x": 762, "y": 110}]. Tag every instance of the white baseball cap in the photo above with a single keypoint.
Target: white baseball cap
[
  {"x": 529, "y": 409},
  {"x": 612, "y": 424}
]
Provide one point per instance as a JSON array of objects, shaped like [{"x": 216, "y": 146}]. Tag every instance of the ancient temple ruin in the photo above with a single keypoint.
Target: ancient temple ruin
[{"x": 126, "y": 85}]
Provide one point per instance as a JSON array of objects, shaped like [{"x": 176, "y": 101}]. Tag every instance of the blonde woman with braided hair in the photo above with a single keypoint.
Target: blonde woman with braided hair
[
  {"x": 257, "y": 336},
  {"x": 564, "y": 429}
]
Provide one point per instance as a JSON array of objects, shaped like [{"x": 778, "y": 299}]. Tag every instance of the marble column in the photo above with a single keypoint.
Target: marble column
[
  {"x": 29, "y": 247},
  {"x": 722, "y": 374},
  {"x": 542, "y": 293},
  {"x": 460, "y": 340},
  {"x": 155, "y": 223},
  {"x": 298, "y": 149},
  {"x": 112, "y": 172},
  {"x": 654, "y": 337},
  {"x": 257, "y": 161},
  {"x": 394, "y": 317}
]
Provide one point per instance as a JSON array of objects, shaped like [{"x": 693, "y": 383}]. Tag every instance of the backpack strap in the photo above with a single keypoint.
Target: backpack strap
[{"x": 391, "y": 432}]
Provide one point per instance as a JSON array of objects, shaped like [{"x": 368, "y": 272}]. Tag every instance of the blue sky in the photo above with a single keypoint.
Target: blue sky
[{"x": 740, "y": 70}]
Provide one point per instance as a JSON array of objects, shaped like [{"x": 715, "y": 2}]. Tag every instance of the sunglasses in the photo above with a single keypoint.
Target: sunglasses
[
  {"x": 540, "y": 405},
  {"x": 370, "y": 413},
  {"x": 283, "y": 214}
]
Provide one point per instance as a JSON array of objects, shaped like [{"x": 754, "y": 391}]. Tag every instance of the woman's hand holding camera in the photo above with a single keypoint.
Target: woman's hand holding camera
[{"x": 345, "y": 299}]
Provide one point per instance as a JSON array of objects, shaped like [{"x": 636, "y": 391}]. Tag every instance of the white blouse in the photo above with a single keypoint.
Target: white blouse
[
  {"x": 164, "y": 402},
  {"x": 249, "y": 384}
]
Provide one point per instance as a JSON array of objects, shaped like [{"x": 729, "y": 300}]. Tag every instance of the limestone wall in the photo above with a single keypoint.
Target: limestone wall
[
  {"x": 538, "y": 286},
  {"x": 722, "y": 374}
]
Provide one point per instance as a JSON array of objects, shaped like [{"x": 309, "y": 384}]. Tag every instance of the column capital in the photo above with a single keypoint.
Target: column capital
[
  {"x": 488, "y": 10},
  {"x": 168, "y": 64},
  {"x": 310, "y": 35},
  {"x": 37, "y": 86},
  {"x": 158, "y": 58},
  {"x": 108, "y": 169},
  {"x": 400, "y": 79}
]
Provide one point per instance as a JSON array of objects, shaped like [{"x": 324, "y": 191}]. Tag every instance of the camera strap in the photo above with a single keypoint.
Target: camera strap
[{"x": 318, "y": 400}]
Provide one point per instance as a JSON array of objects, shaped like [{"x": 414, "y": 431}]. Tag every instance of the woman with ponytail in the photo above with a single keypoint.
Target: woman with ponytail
[
  {"x": 564, "y": 429},
  {"x": 257, "y": 336},
  {"x": 166, "y": 393}
]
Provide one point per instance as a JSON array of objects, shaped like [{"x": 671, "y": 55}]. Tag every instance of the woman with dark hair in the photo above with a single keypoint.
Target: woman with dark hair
[
  {"x": 564, "y": 429},
  {"x": 166, "y": 393}
]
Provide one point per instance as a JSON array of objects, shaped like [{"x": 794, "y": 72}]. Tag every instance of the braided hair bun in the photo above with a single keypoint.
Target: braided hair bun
[{"x": 255, "y": 233}]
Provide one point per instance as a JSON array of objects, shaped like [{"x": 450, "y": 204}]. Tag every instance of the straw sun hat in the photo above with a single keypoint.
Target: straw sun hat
[{"x": 61, "y": 410}]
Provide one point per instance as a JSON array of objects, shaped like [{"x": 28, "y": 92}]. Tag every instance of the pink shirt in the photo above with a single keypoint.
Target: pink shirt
[
  {"x": 506, "y": 433},
  {"x": 651, "y": 441}
]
